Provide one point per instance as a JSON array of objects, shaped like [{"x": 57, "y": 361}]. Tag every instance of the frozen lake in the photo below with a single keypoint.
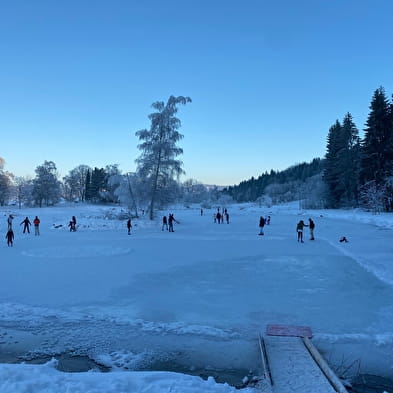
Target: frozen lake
[{"x": 197, "y": 297}]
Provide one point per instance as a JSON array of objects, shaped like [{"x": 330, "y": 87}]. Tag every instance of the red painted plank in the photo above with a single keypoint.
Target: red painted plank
[{"x": 288, "y": 330}]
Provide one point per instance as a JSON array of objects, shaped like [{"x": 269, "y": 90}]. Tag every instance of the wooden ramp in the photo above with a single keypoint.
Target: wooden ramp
[{"x": 293, "y": 364}]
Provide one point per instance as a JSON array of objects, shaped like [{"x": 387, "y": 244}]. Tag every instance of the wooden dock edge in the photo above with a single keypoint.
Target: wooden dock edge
[
  {"x": 330, "y": 375},
  {"x": 265, "y": 361}
]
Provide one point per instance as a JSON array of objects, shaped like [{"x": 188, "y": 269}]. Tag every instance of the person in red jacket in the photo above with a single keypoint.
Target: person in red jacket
[{"x": 36, "y": 223}]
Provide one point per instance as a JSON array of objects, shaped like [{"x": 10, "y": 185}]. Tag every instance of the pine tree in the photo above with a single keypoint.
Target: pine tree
[
  {"x": 377, "y": 147},
  {"x": 158, "y": 163},
  {"x": 331, "y": 173},
  {"x": 348, "y": 163},
  {"x": 88, "y": 186},
  {"x": 97, "y": 183}
]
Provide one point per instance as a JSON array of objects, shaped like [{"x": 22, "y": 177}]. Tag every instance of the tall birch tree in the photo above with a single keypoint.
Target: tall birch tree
[{"x": 158, "y": 164}]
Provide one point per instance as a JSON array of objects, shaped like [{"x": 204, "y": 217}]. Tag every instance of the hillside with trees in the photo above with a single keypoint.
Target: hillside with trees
[{"x": 297, "y": 182}]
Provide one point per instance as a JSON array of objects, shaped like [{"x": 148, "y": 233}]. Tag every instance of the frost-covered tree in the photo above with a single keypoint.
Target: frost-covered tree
[
  {"x": 194, "y": 192},
  {"x": 76, "y": 182},
  {"x": 5, "y": 184},
  {"x": 128, "y": 190},
  {"x": 46, "y": 186},
  {"x": 373, "y": 195},
  {"x": 5, "y": 188},
  {"x": 108, "y": 194},
  {"x": 23, "y": 191},
  {"x": 158, "y": 164}
]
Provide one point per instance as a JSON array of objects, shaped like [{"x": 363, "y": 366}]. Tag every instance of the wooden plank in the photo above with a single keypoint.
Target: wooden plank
[
  {"x": 330, "y": 375},
  {"x": 292, "y": 367},
  {"x": 288, "y": 331},
  {"x": 265, "y": 361}
]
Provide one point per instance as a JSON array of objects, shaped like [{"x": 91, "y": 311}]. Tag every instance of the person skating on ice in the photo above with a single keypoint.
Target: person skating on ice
[
  {"x": 10, "y": 237},
  {"x": 36, "y": 223},
  {"x": 129, "y": 226},
  {"x": 299, "y": 229},
  {"x": 26, "y": 225},
  {"x": 261, "y": 225},
  {"x": 311, "y": 225}
]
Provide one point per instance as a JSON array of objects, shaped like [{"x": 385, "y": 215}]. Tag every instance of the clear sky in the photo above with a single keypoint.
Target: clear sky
[{"x": 267, "y": 79}]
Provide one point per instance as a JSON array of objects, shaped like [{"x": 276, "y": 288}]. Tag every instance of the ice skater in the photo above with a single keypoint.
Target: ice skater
[
  {"x": 36, "y": 223},
  {"x": 26, "y": 226},
  {"x": 129, "y": 226},
  {"x": 311, "y": 225},
  {"x": 171, "y": 219},
  {"x": 299, "y": 229},
  {"x": 261, "y": 225},
  {"x": 9, "y": 221},
  {"x": 164, "y": 223},
  {"x": 10, "y": 238}
]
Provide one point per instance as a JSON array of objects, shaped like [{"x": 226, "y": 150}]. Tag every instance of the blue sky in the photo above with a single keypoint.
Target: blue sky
[{"x": 267, "y": 79}]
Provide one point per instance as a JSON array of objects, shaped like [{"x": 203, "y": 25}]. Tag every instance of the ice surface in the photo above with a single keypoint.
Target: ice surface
[{"x": 200, "y": 295}]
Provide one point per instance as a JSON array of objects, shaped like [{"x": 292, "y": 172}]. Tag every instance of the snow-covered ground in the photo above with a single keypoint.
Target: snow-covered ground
[{"x": 196, "y": 298}]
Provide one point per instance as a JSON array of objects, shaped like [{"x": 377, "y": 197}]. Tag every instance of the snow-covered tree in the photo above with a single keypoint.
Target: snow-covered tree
[
  {"x": 373, "y": 195},
  {"x": 5, "y": 184},
  {"x": 5, "y": 188},
  {"x": 158, "y": 164},
  {"x": 76, "y": 182},
  {"x": 108, "y": 193},
  {"x": 46, "y": 186},
  {"x": 23, "y": 187},
  {"x": 194, "y": 192},
  {"x": 128, "y": 190}
]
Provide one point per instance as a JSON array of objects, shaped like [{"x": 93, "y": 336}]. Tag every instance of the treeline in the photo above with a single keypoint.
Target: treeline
[
  {"x": 96, "y": 185},
  {"x": 359, "y": 172},
  {"x": 83, "y": 183},
  {"x": 271, "y": 184}
]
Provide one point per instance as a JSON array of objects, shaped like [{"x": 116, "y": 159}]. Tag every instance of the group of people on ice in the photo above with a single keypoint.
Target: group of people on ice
[
  {"x": 299, "y": 229},
  {"x": 167, "y": 223},
  {"x": 219, "y": 217},
  {"x": 26, "y": 228}
]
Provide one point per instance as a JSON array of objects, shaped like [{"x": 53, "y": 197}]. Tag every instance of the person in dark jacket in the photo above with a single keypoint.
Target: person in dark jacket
[
  {"x": 299, "y": 229},
  {"x": 10, "y": 238},
  {"x": 261, "y": 225},
  {"x": 9, "y": 221},
  {"x": 164, "y": 223},
  {"x": 129, "y": 226},
  {"x": 26, "y": 226},
  {"x": 311, "y": 225},
  {"x": 171, "y": 219}
]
